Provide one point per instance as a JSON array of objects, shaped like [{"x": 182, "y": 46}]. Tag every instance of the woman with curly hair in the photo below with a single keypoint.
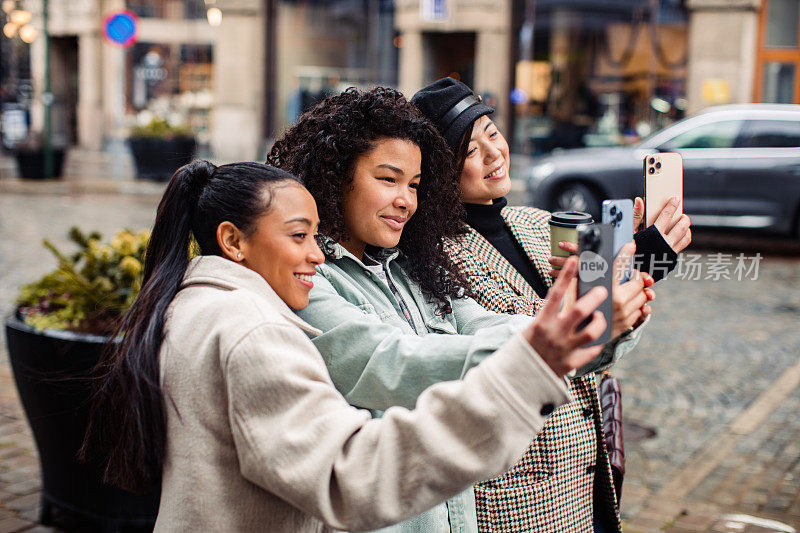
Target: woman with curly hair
[{"x": 394, "y": 313}]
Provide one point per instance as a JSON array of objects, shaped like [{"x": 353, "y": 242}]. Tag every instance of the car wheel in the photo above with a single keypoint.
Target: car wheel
[{"x": 576, "y": 197}]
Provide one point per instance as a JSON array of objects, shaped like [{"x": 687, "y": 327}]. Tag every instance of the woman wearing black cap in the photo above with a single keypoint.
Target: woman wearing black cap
[{"x": 564, "y": 481}]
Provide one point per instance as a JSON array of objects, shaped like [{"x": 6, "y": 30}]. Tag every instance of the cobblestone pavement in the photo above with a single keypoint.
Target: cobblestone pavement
[
  {"x": 25, "y": 219},
  {"x": 716, "y": 377}
]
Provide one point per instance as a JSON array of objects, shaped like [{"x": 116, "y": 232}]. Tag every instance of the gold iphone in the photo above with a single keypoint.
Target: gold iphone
[{"x": 663, "y": 179}]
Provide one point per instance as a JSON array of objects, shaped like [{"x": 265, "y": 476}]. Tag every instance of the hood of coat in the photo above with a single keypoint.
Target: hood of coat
[{"x": 224, "y": 274}]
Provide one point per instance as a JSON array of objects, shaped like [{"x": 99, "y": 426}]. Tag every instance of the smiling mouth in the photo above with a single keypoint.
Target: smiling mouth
[
  {"x": 499, "y": 172},
  {"x": 305, "y": 279},
  {"x": 396, "y": 223}
]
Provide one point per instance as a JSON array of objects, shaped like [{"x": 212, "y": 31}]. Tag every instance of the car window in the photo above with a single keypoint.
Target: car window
[
  {"x": 770, "y": 134},
  {"x": 720, "y": 134}
]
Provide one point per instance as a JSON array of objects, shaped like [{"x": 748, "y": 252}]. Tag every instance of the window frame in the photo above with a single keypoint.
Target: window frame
[
  {"x": 767, "y": 54},
  {"x": 669, "y": 146},
  {"x": 751, "y": 123}
]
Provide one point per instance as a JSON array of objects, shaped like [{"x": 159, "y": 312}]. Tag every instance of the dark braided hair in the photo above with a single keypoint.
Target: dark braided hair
[{"x": 322, "y": 149}]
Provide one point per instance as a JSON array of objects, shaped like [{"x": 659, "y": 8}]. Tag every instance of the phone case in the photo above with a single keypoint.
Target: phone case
[
  {"x": 619, "y": 215},
  {"x": 595, "y": 268},
  {"x": 663, "y": 179}
]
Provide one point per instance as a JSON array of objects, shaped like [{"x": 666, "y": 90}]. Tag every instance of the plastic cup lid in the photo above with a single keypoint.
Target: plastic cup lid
[{"x": 570, "y": 219}]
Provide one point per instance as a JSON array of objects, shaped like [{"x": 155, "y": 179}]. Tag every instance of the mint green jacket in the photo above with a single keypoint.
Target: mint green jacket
[{"x": 375, "y": 357}]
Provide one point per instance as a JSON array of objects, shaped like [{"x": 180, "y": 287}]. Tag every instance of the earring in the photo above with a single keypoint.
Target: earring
[{"x": 239, "y": 256}]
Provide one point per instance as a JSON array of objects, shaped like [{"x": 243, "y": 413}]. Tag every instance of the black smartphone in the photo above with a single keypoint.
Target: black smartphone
[{"x": 596, "y": 269}]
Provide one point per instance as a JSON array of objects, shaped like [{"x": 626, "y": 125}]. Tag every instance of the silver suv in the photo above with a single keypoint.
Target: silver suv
[{"x": 741, "y": 169}]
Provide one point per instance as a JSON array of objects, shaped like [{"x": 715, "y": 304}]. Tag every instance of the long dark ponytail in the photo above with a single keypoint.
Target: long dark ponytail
[{"x": 127, "y": 426}]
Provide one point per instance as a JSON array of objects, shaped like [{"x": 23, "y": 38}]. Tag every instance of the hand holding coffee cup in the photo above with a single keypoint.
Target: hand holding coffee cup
[{"x": 564, "y": 236}]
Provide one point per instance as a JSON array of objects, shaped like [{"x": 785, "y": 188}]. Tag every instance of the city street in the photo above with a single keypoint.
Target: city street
[{"x": 711, "y": 394}]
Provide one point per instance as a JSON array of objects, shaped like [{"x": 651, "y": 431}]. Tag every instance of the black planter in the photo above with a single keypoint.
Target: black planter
[
  {"x": 51, "y": 370},
  {"x": 31, "y": 163},
  {"x": 158, "y": 159}
]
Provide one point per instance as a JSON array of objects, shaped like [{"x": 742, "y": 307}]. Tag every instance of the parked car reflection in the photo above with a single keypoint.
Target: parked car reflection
[{"x": 741, "y": 169}]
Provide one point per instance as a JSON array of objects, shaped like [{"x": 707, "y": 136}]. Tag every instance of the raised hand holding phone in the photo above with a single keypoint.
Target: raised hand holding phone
[
  {"x": 596, "y": 258},
  {"x": 675, "y": 230},
  {"x": 554, "y": 333},
  {"x": 663, "y": 180},
  {"x": 619, "y": 215}
]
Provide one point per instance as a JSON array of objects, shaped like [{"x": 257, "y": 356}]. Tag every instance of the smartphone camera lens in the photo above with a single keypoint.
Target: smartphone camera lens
[
  {"x": 594, "y": 238},
  {"x": 652, "y": 160},
  {"x": 613, "y": 210},
  {"x": 618, "y": 218},
  {"x": 658, "y": 165},
  {"x": 651, "y": 170}
]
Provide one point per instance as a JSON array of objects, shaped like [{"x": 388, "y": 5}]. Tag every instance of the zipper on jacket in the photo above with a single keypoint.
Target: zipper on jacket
[{"x": 404, "y": 310}]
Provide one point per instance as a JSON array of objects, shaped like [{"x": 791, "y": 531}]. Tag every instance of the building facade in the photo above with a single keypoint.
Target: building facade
[{"x": 561, "y": 73}]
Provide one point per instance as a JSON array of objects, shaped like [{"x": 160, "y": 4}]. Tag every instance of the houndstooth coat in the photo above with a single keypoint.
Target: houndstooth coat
[{"x": 550, "y": 488}]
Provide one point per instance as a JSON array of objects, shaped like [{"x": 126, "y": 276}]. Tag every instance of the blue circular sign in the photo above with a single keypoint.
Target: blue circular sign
[
  {"x": 120, "y": 28},
  {"x": 518, "y": 96}
]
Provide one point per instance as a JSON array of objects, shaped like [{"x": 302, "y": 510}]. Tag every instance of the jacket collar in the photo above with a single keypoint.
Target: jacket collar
[
  {"x": 227, "y": 275},
  {"x": 495, "y": 261},
  {"x": 336, "y": 251},
  {"x": 526, "y": 236}
]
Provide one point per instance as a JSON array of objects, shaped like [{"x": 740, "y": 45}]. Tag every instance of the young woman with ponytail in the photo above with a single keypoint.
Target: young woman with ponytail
[{"x": 216, "y": 391}]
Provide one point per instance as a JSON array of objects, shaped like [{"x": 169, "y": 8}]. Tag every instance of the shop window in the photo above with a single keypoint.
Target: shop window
[
  {"x": 170, "y": 9},
  {"x": 782, "y": 17},
  {"x": 597, "y": 73},
  {"x": 449, "y": 54},
  {"x": 173, "y": 82},
  {"x": 328, "y": 46},
  {"x": 777, "y": 79}
]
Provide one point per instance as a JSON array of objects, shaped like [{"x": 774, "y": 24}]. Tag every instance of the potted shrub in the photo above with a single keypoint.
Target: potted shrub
[
  {"x": 160, "y": 148},
  {"x": 55, "y": 338},
  {"x": 30, "y": 159}
]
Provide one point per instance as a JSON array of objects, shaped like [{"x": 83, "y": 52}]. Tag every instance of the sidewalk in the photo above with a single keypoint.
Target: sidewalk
[{"x": 89, "y": 186}]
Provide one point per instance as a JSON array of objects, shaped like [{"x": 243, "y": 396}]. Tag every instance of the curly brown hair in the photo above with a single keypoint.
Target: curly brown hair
[{"x": 322, "y": 149}]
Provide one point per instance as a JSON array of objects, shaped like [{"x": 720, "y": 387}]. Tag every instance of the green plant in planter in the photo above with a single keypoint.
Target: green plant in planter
[
  {"x": 90, "y": 289},
  {"x": 159, "y": 128},
  {"x": 160, "y": 148}
]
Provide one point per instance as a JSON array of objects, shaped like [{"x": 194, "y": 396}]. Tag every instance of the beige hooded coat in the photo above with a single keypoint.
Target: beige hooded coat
[{"x": 258, "y": 438}]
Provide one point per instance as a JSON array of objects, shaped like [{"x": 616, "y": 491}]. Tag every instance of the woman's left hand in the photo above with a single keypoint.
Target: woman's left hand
[
  {"x": 678, "y": 235},
  {"x": 630, "y": 302},
  {"x": 571, "y": 248},
  {"x": 630, "y": 298}
]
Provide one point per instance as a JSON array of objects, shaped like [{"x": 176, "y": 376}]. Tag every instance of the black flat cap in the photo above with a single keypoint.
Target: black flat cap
[{"x": 451, "y": 106}]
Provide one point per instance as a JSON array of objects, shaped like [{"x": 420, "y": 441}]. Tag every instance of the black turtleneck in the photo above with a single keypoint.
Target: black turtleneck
[{"x": 487, "y": 220}]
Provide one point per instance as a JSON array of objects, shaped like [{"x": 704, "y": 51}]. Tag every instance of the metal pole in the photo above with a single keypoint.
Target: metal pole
[{"x": 47, "y": 96}]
